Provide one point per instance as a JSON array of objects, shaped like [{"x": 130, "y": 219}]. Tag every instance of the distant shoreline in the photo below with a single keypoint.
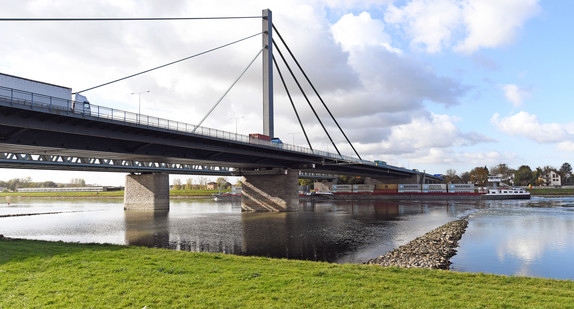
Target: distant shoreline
[
  {"x": 198, "y": 194},
  {"x": 107, "y": 194},
  {"x": 104, "y": 197}
]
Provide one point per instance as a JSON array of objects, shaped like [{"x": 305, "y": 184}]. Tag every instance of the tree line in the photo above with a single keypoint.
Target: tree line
[
  {"x": 222, "y": 183},
  {"x": 14, "y": 184},
  {"x": 523, "y": 176}
]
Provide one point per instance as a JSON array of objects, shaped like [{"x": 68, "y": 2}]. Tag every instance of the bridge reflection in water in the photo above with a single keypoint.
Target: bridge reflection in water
[
  {"x": 147, "y": 228},
  {"x": 341, "y": 232}
]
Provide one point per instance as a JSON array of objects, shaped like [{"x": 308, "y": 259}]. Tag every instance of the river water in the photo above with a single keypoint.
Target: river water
[{"x": 530, "y": 237}]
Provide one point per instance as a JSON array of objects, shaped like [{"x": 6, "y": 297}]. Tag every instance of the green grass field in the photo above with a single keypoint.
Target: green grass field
[
  {"x": 65, "y": 194},
  {"x": 38, "y": 274},
  {"x": 551, "y": 191}
]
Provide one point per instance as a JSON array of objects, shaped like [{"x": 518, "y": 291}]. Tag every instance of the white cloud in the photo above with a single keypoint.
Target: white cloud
[
  {"x": 426, "y": 133},
  {"x": 515, "y": 94},
  {"x": 488, "y": 158},
  {"x": 390, "y": 82},
  {"x": 494, "y": 23},
  {"x": 464, "y": 25},
  {"x": 430, "y": 24},
  {"x": 529, "y": 126},
  {"x": 439, "y": 159},
  {"x": 361, "y": 31},
  {"x": 566, "y": 146}
]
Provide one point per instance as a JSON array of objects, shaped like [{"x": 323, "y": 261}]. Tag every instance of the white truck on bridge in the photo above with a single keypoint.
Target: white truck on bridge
[{"x": 27, "y": 91}]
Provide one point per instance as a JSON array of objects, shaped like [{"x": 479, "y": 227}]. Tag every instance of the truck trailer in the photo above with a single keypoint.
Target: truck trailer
[{"x": 26, "y": 91}]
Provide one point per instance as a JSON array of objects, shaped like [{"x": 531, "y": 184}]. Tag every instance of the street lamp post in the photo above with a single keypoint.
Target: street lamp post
[
  {"x": 293, "y": 137},
  {"x": 236, "y": 119},
  {"x": 140, "y": 102}
]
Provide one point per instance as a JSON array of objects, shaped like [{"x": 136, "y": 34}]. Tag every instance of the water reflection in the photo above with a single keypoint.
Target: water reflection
[
  {"x": 147, "y": 228},
  {"x": 341, "y": 232},
  {"x": 348, "y": 232},
  {"x": 528, "y": 239}
]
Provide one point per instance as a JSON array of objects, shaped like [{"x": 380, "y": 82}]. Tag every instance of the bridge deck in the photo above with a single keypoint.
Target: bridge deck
[{"x": 28, "y": 127}]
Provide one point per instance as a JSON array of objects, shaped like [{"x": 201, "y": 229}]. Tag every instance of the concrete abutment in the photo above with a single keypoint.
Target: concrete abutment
[{"x": 147, "y": 192}]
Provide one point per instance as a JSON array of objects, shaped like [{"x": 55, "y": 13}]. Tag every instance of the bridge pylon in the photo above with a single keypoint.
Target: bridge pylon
[{"x": 268, "y": 74}]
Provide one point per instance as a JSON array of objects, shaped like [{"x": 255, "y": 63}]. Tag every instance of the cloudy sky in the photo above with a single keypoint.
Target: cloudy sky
[{"x": 425, "y": 84}]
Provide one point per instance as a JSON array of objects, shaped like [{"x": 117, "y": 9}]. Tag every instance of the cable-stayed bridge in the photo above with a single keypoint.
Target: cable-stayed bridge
[
  {"x": 48, "y": 132},
  {"x": 39, "y": 135}
]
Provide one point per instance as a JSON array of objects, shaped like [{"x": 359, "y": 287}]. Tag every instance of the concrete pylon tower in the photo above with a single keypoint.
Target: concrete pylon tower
[{"x": 267, "y": 74}]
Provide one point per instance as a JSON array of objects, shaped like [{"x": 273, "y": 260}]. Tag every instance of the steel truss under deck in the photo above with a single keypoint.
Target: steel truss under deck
[{"x": 32, "y": 161}]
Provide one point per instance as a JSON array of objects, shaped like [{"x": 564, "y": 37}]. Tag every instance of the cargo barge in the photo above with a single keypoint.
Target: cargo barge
[
  {"x": 420, "y": 196},
  {"x": 421, "y": 192}
]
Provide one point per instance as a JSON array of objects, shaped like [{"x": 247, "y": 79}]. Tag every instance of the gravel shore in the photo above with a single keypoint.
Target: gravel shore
[{"x": 432, "y": 250}]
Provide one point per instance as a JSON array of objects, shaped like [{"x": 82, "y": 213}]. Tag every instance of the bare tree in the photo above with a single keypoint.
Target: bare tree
[
  {"x": 78, "y": 182},
  {"x": 222, "y": 183},
  {"x": 450, "y": 176},
  {"x": 502, "y": 170},
  {"x": 177, "y": 184},
  {"x": 465, "y": 177},
  {"x": 202, "y": 183}
]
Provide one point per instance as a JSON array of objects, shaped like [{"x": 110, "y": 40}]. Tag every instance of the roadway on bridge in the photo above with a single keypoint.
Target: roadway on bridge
[{"x": 39, "y": 130}]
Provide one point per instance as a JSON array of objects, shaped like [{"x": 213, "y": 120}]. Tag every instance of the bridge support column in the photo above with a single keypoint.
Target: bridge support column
[
  {"x": 147, "y": 192},
  {"x": 270, "y": 192}
]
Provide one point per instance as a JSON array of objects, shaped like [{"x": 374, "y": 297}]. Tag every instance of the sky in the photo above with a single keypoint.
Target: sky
[{"x": 422, "y": 84}]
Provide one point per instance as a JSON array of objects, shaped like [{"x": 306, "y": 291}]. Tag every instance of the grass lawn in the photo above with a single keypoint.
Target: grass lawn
[
  {"x": 38, "y": 274},
  {"x": 65, "y": 194},
  {"x": 551, "y": 191}
]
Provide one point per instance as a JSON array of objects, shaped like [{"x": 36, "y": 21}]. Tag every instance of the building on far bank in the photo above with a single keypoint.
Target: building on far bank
[
  {"x": 211, "y": 185},
  {"x": 550, "y": 178}
]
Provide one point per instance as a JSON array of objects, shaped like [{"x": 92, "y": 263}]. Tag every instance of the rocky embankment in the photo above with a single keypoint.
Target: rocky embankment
[{"x": 432, "y": 250}]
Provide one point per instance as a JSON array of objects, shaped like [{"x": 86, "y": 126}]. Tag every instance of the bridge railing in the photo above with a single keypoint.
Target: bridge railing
[
  {"x": 59, "y": 105},
  {"x": 15, "y": 96}
]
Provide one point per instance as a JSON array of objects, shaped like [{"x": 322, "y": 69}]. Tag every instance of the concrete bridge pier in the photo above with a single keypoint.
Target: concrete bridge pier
[
  {"x": 147, "y": 192},
  {"x": 270, "y": 190}
]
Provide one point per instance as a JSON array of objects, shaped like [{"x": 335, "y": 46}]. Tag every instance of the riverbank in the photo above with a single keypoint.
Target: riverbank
[
  {"x": 433, "y": 250},
  {"x": 551, "y": 192},
  {"x": 64, "y": 275},
  {"x": 109, "y": 194}
]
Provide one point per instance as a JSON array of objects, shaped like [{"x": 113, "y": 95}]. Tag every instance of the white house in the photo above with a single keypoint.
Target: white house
[{"x": 550, "y": 178}]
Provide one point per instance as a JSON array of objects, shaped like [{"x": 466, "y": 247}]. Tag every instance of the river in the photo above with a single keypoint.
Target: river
[{"x": 529, "y": 237}]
